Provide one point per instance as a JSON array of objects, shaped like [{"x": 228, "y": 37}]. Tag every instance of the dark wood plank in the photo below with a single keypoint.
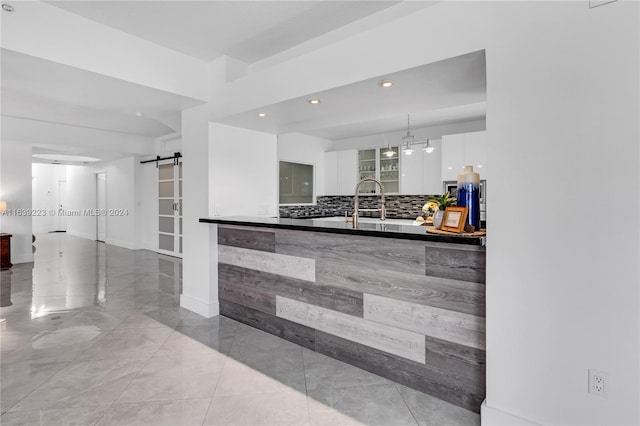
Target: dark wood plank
[
  {"x": 296, "y": 333},
  {"x": 454, "y": 295},
  {"x": 386, "y": 253},
  {"x": 246, "y": 238},
  {"x": 247, "y": 296},
  {"x": 264, "y": 283},
  {"x": 457, "y": 264},
  {"x": 449, "y": 387},
  {"x": 456, "y": 359}
]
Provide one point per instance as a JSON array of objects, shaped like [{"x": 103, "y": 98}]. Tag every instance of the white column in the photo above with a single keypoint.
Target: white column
[{"x": 200, "y": 263}]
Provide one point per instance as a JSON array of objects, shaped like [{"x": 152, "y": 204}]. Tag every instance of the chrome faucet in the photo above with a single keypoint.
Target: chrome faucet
[{"x": 356, "y": 208}]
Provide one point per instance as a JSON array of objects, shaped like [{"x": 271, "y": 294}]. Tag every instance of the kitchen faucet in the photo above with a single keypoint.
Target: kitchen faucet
[{"x": 356, "y": 209}]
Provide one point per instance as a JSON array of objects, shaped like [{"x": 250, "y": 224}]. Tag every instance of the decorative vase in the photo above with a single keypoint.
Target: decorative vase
[
  {"x": 469, "y": 195},
  {"x": 437, "y": 219}
]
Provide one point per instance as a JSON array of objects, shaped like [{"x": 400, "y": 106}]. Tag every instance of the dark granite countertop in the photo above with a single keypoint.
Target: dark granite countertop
[{"x": 378, "y": 229}]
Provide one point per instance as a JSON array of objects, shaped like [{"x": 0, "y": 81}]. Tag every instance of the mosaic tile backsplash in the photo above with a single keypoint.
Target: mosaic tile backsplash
[{"x": 398, "y": 206}]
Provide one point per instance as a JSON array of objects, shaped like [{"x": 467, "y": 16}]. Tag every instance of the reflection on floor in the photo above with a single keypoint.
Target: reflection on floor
[{"x": 94, "y": 335}]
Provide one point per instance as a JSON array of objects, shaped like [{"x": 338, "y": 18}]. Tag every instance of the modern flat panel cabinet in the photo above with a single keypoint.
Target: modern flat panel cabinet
[
  {"x": 347, "y": 167},
  {"x": 464, "y": 149},
  {"x": 330, "y": 173}
]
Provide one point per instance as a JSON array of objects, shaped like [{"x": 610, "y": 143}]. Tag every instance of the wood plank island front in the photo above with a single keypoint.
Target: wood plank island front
[{"x": 407, "y": 306}]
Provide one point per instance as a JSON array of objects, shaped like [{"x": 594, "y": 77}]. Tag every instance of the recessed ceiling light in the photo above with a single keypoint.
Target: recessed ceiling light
[
  {"x": 262, "y": 114},
  {"x": 449, "y": 168},
  {"x": 314, "y": 101},
  {"x": 385, "y": 83},
  {"x": 7, "y": 8},
  {"x": 139, "y": 114},
  {"x": 479, "y": 166}
]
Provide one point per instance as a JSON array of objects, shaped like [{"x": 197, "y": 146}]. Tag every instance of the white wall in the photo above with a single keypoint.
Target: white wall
[
  {"x": 562, "y": 83},
  {"x": 119, "y": 190},
  {"x": 146, "y": 205},
  {"x": 299, "y": 148},
  {"x": 81, "y": 195},
  {"x": 15, "y": 189},
  {"x": 44, "y": 194},
  {"x": 243, "y": 172}
]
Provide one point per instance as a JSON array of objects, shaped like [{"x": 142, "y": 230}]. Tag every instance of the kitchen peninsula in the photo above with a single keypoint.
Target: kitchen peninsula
[{"x": 388, "y": 298}]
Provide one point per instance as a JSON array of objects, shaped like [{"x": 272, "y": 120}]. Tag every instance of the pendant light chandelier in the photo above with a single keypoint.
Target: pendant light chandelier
[
  {"x": 409, "y": 140},
  {"x": 389, "y": 152}
]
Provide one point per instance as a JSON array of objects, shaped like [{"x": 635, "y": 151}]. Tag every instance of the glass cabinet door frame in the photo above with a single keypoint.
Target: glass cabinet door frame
[{"x": 378, "y": 173}]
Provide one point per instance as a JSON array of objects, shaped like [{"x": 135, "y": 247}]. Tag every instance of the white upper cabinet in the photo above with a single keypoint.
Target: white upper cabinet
[
  {"x": 461, "y": 150},
  {"x": 347, "y": 168},
  {"x": 421, "y": 172},
  {"x": 330, "y": 173},
  {"x": 411, "y": 173}
]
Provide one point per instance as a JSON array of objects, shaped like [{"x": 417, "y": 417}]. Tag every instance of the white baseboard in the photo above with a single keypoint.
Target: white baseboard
[
  {"x": 205, "y": 309},
  {"x": 82, "y": 235},
  {"x": 490, "y": 416},
  {"x": 120, "y": 243},
  {"x": 21, "y": 258}
]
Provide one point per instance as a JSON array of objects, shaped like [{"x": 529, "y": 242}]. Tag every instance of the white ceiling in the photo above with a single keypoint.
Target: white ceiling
[
  {"x": 38, "y": 89},
  {"x": 247, "y": 30},
  {"x": 32, "y": 88},
  {"x": 448, "y": 91}
]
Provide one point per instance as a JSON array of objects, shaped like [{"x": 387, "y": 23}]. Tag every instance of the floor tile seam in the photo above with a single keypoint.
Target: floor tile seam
[
  {"x": 306, "y": 389},
  {"x": 352, "y": 386},
  {"x": 66, "y": 364},
  {"x": 158, "y": 401},
  {"x": 215, "y": 388},
  {"x": 397, "y": 387},
  {"x": 146, "y": 363},
  {"x": 273, "y": 351},
  {"x": 125, "y": 387},
  {"x": 224, "y": 366}
]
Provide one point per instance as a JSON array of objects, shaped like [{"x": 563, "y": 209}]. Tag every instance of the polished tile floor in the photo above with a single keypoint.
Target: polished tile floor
[{"x": 94, "y": 335}]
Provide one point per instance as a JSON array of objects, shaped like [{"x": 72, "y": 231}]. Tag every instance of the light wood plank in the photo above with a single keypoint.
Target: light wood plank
[
  {"x": 280, "y": 264},
  {"x": 468, "y": 330},
  {"x": 397, "y": 341}
]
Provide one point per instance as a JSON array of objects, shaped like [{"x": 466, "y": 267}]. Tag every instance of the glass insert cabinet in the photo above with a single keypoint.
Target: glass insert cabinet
[{"x": 375, "y": 163}]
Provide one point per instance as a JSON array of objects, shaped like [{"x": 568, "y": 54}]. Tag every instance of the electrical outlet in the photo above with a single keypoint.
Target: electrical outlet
[{"x": 598, "y": 383}]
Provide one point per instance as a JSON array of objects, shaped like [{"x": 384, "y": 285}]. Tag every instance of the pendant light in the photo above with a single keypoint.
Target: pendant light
[
  {"x": 407, "y": 140},
  {"x": 428, "y": 148},
  {"x": 389, "y": 152}
]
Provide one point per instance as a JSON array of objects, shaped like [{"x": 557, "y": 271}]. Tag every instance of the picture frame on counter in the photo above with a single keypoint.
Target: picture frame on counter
[{"x": 455, "y": 217}]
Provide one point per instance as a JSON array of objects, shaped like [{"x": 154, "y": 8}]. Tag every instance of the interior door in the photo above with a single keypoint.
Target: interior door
[
  {"x": 101, "y": 205},
  {"x": 170, "y": 209}
]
